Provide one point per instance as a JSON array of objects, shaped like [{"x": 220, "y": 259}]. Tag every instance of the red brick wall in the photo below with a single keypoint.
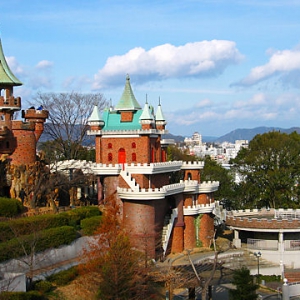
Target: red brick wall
[
  {"x": 189, "y": 232},
  {"x": 203, "y": 199},
  {"x": 25, "y": 152},
  {"x": 188, "y": 200},
  {"x": 195, "y": 174},
  {"x": 126, "y": 116},
  {"x": 262, "y": 223},
  {"x": 141, "y": 150},
  {"x": 177, "y": 241},
  {"x": 206, "y": 229},
  {"x": 139, "y": 221}
]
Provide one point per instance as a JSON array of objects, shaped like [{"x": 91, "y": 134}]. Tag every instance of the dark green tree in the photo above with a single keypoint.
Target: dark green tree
[
  {"x": 215, "y": 172},
  {"x": 269, "y": 170},
  {"x": 245, "y": 286},
  {"x": 175, "y": 153}
]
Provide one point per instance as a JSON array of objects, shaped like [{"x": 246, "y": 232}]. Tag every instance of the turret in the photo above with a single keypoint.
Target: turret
[
  {"x": 147, "y": 118},
  {"x": 37, "y": 116},
  {"x": 127, "y": 104},
  {"x": 95, "y": 122},
  {"x": 160, "y": 120},
  {"x": 8, "y": 105}
]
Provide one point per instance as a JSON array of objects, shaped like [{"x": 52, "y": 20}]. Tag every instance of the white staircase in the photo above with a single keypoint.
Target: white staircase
[
  {"x": 167, "y": 229},
  {"x": 129, "y": 180}
]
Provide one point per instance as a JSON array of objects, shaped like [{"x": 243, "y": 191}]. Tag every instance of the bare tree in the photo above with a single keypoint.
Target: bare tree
[
  {"x": 205, "y": 282},
  {"x": 67, "y": 122}
]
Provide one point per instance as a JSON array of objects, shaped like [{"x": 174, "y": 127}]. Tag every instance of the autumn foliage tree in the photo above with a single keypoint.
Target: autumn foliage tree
[{"x": 119, "y": 268}]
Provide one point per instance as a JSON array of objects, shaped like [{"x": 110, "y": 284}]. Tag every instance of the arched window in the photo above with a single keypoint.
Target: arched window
[
  {"x": 133, "y": 158},
  {"x": 133, "y": 145},
  {"x": 109, "y": 146},
  {"x": 110, "y": 157},
  {"x": 189, "y": 175}
]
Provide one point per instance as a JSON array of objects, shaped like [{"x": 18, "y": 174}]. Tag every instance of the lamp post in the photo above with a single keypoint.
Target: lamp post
[{"x": 258, "y": 255}]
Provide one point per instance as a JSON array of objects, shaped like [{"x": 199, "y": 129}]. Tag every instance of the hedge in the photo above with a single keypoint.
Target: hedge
[
  {"x": 10, "y": 207},
  {"x": 64, "y": 277},
  {"x": 32, "y": 295},
  {"x": 25, "y": 225},
  {"x": 89, "y": 225},
  {"x": 42, "y": 240}
]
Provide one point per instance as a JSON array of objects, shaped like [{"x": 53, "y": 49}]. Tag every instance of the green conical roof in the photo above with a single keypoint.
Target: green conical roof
[
  {"x": 146, "y": 114},
  {"x": 159, "y": 113},
  {"x": 128, "y": 101},
  {"x": 6, "y": 75},
  {"x": 95, "y": 116}
]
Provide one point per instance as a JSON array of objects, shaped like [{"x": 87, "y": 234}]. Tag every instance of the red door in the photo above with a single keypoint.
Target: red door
[{"x": 122, "y": 157}]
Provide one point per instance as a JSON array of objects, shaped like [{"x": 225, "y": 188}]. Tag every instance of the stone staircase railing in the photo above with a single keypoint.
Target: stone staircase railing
[
  {"x": 129, "y": 180},
  {"x": 167, "y": 230}
]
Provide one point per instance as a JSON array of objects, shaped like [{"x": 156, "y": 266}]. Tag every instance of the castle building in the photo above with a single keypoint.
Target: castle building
[
  {"x": 18, "y": 138},
  {"x": 164, "y": 205}
]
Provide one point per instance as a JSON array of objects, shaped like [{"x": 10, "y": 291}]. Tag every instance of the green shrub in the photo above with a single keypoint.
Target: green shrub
[
  {"x": 78, "y": 214},
  {"x": 64, "y": 277},
  {"x": 43, "y": 286},
  {"x": 41, "y": 240},
  {"x": 89, "y": 225},
  {"x": 32, "y": 295},
  {"x": 25, "y": 225},
  {"x": 270, "y": 278},
  {"x": 10, "y": 207}
]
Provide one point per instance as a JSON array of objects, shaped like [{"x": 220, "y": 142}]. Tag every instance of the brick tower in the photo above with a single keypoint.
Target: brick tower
[
  {"x": 132, "y": 156},
  {"x": 18, "y": 138}
]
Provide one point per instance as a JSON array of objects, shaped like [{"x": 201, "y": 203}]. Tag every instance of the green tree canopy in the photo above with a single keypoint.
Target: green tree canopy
[
  {"x": 269, "y": 170},
  {"x": 245, "y": 286},
  {"x": 213, "y": 171}
]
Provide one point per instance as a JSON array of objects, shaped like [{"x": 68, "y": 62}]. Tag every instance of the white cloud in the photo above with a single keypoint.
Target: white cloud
[
  {"x": 44, "y": 64},
  {"x": 204, "y": 103},
  {"x": 206, "y": 58},
  {"x": 14, "y": 65},
  {"x": 281, "y": 63},
  {"x": 256, "y": 100}
]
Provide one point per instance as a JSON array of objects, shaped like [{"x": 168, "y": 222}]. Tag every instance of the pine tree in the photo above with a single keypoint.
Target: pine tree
[{"x": 245, "y": 286}]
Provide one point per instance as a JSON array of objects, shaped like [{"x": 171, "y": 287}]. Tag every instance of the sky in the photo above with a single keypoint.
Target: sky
[{"x": 214, "y": 65}]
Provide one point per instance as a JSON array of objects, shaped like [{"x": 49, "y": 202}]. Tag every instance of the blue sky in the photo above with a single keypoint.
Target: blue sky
[{"x": 216, "y": 65}]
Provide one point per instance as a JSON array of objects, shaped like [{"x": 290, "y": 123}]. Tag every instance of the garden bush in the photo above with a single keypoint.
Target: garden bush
[
  {"x": 10, "y": 207},
  {"x": 40, "y": 240},
  {"x": 64, "y": 277},
  {"x": 78, "y": 214},
  {"x": 89, "y": 225},
  {"x": 23, "y": 226},
  {"x": 43, "y": 286},
  {"x": 32, "y": 295}
]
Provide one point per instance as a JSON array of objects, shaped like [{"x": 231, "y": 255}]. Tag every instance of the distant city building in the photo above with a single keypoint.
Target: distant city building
[{"x": 219, "y": 152}]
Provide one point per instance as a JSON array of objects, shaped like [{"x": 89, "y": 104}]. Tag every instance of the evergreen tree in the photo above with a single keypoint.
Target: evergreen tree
[
  {"x": 269, "y": 171},
  {"x": 245, "y": 286}
]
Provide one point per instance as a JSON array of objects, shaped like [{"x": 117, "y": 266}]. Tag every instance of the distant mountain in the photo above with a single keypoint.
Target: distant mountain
[
  {"x": 249, "y": 134},
  {"x": 231, "y": 137}
]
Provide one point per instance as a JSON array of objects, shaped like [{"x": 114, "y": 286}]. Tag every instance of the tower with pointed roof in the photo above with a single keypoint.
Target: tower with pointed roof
[
  {"x": 17, "y": 138},
  {"x": 132, "y": 154},
  {"x": 128, "y": 133}
]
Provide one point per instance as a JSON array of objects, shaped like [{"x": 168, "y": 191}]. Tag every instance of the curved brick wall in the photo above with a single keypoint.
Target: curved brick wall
[
  {"x": 139, "y": 220},
  {"x": 262, "y": 223},
  {"x": 25, "y": 152},
  {"x": 206, "y": 229},
  {"x": 189, "y": 232}
]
